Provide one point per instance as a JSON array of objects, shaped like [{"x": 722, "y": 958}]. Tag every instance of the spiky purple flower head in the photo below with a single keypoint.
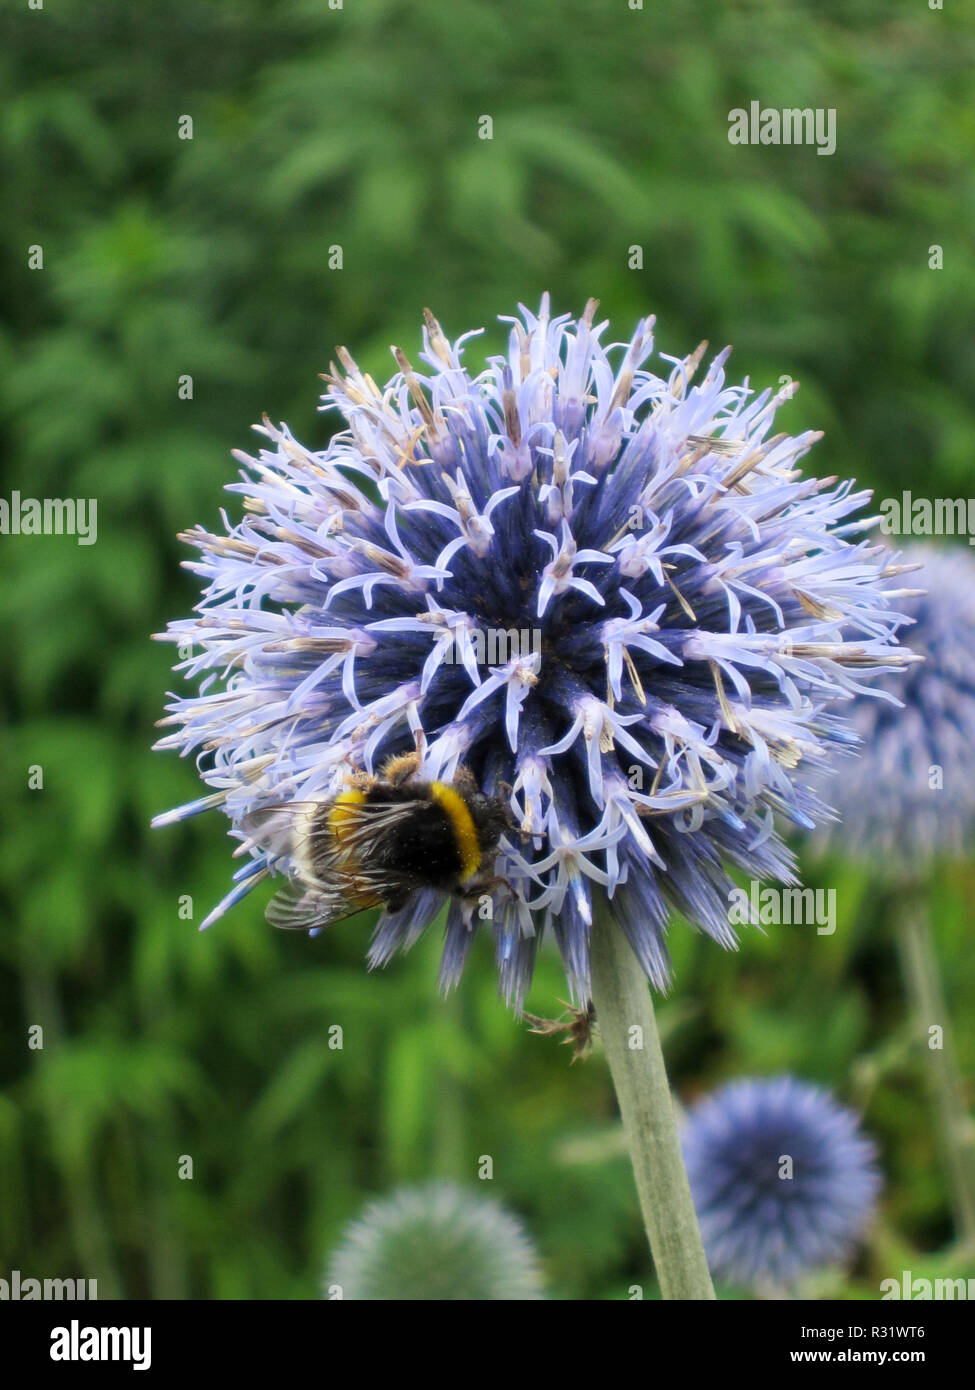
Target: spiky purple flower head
[
  {"x": 909, "y": 795},
  {"x": 686, "y": 610},
  {"x": 783, "y": 1180}
]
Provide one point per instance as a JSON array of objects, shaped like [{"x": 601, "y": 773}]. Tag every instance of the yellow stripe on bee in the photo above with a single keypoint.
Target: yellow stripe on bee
[
  {"x": 462, "y": 824},
  {"x": 338, "y": 816}
]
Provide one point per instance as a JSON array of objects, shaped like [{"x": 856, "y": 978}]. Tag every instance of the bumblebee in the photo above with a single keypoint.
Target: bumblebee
[{"x": 377, "y": 842}]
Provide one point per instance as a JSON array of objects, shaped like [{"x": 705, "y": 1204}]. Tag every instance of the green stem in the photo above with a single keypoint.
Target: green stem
[
  {"x": 624, "y": 1013},
  {"x": 923, "y": 982}
]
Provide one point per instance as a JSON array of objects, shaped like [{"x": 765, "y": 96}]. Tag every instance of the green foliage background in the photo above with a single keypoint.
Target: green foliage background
[{"x": 314, "y": 127}]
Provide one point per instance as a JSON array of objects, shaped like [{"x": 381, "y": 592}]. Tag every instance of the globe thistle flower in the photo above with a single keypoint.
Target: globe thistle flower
[
  {"x": 435, "y": 1242},
  {"x": 782, "y": 1178},
  {"x": 910, "y": 794},
  {"x": 696, "y": 613}
]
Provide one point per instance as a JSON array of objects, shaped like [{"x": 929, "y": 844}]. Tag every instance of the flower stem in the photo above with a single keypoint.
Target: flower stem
[
  {"x": 624, "y": 1013},
  {"x": 923, "y": 981}
]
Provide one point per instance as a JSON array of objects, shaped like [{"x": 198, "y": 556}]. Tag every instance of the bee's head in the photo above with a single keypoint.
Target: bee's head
[{"x": 490, "y": 817}]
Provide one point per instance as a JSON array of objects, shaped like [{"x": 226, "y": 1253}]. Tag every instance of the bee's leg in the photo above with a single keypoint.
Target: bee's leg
[
  {"x": 470, "y": 895},
  {"x": 400, "y": 769},
  {"x": 395, "y": 902},
  {"x": 479, "y": 886}
]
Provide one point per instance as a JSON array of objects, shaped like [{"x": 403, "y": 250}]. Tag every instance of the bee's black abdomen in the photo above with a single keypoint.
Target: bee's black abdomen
[{"x": 424, "y": 847}]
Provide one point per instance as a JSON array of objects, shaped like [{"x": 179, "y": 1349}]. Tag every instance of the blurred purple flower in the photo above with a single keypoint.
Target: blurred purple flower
[
  {"x": 909, "y": 795},
  {"x": 696, "y": 609},
  {"x": 783, "y": 1180}
]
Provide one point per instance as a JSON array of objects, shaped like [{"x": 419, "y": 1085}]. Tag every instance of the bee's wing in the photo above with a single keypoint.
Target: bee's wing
[
  {"x": 296, "y": 907},
  {"x": 717, "y": 445},
  {"x": 281, "y": 829},
  {"x": 337, "y": 874},
  {"x": 300, "y": 831}
]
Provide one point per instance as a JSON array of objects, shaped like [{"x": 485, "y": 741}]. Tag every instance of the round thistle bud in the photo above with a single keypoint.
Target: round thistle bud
[
  {"x": 435, "y": 1242},
  {"x": 908, "y": 796},
  {"x": 782, "y": 1177}
]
